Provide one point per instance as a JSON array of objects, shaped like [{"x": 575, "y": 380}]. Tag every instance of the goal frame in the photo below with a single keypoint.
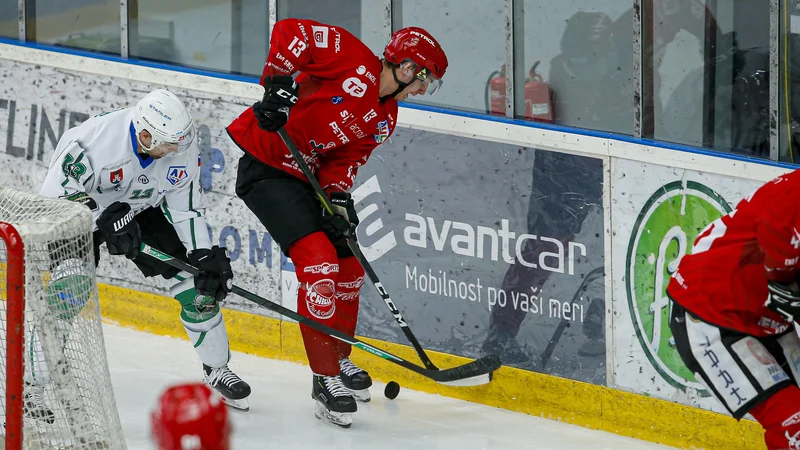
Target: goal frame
[{"x": 15, "y": 312}]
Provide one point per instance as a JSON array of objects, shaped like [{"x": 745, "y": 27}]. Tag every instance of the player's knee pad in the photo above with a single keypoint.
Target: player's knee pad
[
  {"x": 317, "y": 269},
  {"x": 780, "y": 417}
]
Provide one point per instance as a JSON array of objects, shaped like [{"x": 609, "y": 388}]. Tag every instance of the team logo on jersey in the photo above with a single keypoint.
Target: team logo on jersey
[
  {"x": 354, "y": 86},
  {"x": 320, "y": 36},
  {"x": 336, "y": 100},
  {"x": 663, "y": 233},
  {"x": 176, "y": 174},
  {"x": 116, "y": 176},
  {"x": 382, "y": 131},
  {"x": 143, "y": 179}
]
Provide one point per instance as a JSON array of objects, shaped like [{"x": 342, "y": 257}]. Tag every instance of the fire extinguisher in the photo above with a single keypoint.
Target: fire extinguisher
[
  {"x": 538, "y": 95},
  {"x": 496, "y": 92}
]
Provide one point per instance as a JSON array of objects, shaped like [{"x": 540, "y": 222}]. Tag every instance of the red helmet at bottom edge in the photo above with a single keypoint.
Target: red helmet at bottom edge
[{"x": 190, "y": 417}]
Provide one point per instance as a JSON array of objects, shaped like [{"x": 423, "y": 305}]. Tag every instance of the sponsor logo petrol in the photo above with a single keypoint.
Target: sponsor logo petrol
[{"x": 665, "y": 229}]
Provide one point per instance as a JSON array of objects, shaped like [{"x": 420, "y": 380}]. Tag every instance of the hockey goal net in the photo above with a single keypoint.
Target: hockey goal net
[{"x": 55, "y": 388}]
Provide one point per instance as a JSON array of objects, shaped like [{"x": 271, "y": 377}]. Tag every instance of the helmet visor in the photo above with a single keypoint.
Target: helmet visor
[
  {"x": 186, "y": 138},
  {"x": 409, "y": 71}
]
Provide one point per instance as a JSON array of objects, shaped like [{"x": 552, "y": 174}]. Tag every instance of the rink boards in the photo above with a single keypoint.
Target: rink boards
[{"x": 458, "y": 219}]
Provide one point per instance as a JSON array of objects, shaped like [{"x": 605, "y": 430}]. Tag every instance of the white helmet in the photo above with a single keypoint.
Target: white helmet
[{"x": 166, "y": 118}]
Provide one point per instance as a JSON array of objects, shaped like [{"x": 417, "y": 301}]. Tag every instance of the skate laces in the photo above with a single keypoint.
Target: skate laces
[
  {"x": 222, "y": 375},
  {"x": 335, "y": 386},
  {"x": 348, "y": 367}
]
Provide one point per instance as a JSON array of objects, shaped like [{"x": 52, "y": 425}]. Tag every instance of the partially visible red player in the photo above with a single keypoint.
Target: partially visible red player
[
  {"x": 735, "y": 303},
  {"x": 190, "y": 417}
]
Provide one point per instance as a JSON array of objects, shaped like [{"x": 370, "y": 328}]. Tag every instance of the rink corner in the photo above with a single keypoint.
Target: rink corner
[{"x": 584, "y": 404}]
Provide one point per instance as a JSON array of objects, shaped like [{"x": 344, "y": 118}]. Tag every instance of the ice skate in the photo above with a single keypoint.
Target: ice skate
[
  {"x": 356, "y": 379},
  {"x": 334, "y": 402},
  {"x": 233, "y": 389}
]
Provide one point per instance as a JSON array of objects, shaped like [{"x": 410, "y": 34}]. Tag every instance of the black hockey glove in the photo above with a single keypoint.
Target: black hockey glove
[
  {"x": 784, "y": 299},
  {"x": 216, "y": 276},
  {"x": 280, "y": 94},
  {"x": 120, "y": 230},
  {"x": 344, "y": 220}
]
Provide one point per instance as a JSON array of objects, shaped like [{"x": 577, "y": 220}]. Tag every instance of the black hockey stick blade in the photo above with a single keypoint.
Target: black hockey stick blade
[{"x": 470, "y": 374}]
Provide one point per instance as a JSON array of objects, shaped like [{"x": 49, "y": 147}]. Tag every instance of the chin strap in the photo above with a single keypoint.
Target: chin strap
[
  {"x": 401, "y": 85},
  {"x": 142, "y": 149}
]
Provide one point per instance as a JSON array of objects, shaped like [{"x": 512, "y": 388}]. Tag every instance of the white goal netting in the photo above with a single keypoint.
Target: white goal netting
[{"x": 62, "y": 395}]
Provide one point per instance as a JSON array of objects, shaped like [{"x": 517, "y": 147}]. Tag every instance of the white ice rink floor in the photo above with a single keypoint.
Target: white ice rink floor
[{"x": 281, "y": 410}]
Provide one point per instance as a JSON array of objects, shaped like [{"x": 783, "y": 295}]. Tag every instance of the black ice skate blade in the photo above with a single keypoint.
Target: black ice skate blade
[{"x": 238, "y": 405}]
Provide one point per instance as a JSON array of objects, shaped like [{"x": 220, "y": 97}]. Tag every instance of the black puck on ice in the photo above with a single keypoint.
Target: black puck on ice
[{"x": 392, "y": 389}]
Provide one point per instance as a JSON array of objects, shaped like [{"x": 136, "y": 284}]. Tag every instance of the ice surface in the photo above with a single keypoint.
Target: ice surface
[{"x": 281, "y": 410}]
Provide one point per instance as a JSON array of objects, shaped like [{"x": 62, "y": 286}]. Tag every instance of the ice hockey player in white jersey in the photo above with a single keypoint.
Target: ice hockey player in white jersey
[{"x": 138, "y": 170}]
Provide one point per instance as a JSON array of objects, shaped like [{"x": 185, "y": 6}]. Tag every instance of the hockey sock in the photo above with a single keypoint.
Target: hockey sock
[
  {"x": 202, "y": 320},
  {"x": 351, "y": 278},
  {"x": 317, "y": 269},
  {"x": 780, "y": 417}
]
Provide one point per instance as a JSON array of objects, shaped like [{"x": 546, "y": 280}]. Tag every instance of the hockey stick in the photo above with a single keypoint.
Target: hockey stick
[
  {"x": 471, "y": 374},
  {"x": 326, "y": 203}
]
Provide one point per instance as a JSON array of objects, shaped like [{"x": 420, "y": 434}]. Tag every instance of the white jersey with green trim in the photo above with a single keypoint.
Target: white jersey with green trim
[{"x": 100, "y": 158}]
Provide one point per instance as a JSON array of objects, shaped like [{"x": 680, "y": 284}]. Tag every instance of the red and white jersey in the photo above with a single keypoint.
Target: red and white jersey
[
  {"x": 724, "y": 279},
  {"x": 338, "y": 119}
]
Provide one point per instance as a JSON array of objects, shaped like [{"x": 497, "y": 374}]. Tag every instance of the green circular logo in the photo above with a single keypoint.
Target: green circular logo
[{"x": 665, "y": 230}]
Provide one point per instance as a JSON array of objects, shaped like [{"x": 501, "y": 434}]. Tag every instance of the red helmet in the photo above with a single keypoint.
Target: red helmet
[
  {"x": 415, "y": 51},
  {"x": 190, "y": 417}
]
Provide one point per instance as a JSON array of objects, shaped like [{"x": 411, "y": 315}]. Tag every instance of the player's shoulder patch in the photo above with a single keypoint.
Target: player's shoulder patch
[{"x": 177, "y": 174}]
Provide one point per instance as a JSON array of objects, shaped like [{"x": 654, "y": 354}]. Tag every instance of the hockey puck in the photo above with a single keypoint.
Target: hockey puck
[{"x": 392, "y": 389}]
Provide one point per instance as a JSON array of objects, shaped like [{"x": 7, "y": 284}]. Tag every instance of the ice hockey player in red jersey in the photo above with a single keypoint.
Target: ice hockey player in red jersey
[
  {"x": 343, "y": 104},
  {"x": 735, "y": 300}
]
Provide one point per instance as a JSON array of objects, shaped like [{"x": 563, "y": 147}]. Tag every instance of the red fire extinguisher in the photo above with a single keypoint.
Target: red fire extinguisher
[
  {"x": 538, "y": 95},
  {"x": 496, "y": 92}
]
